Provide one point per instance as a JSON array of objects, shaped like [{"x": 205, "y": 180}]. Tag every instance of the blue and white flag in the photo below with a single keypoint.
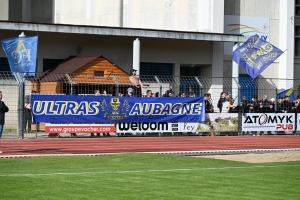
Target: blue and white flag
[
  {"x": 255, "y": 55},
  {"x": 21, "y": 53}
]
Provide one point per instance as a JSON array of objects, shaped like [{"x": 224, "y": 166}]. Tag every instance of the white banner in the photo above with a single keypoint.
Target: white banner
[
  {"x": 298, "y": 122},
  {"x": 268, "y": 122},
  {"x": 214, "y": 122}
]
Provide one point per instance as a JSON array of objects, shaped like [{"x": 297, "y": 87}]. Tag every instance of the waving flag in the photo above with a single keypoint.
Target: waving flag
[
  {"x": 255, "y": 55},
  {"x": 21, "y": 53},
  {"x": 289, "y": 92}
]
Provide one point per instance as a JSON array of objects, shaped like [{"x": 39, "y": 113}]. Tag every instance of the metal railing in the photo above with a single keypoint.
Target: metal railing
[{"x": 17, "y": 88}]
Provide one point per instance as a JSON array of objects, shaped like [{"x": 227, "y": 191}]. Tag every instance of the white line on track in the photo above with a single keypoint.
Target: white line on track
[{"x": 145, "y": 171}]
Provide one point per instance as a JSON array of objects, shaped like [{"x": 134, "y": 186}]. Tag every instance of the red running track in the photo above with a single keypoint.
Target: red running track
[{"x": 55, "y": 146}]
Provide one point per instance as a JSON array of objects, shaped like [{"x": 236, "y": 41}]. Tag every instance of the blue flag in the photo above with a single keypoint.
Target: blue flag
[
  {"x": 21, "y": 53},
  {"x": 289, "y": 92},
  {"x": 255, "y": 55}
]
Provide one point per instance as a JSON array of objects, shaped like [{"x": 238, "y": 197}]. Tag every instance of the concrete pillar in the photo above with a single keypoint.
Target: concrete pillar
[
  {"x": 235, "y": 75},
  {"x": 217, "y": 72},
  {"x": 286, "y": 41},
  {"x": 136, "y": 55}
]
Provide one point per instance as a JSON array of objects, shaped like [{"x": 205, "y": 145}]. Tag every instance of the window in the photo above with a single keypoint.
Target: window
[
  {"x": 186, "y": 70},
  {"x": 164, "y": 69},
  {"x": 4, "y": 65},
  {"x": 99, "y": 73}
]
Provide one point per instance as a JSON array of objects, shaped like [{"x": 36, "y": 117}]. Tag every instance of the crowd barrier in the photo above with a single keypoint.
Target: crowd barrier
[{"x": 17, "y": 90}]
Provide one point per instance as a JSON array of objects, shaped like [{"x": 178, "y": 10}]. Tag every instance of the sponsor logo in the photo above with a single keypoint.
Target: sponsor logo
[
  {"x": 115, "y": 111},
  {"x": 264, "y": 118},
  {"x": 287, "y": 127},
  {"x": 146, "y": 126}
]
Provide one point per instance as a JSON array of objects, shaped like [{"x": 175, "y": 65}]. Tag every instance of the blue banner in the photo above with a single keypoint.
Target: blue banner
[
  {"x": 21, "y": 53},
  {"x": 289, "y": 92},
  {"x": 255, "y": 55},
  {"x": 103, "y": 109}
]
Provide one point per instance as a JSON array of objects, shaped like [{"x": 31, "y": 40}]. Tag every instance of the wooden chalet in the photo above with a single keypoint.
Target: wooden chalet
[{"x": 79, "y": 72}]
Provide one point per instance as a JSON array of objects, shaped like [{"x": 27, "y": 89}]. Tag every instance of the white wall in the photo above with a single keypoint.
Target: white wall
[
  {"x": 88, "y": 12},
  {"x": 4, "y": 10},
  {"x": 281, "y": 30},
  {"x": 286, "y": 34},
  {"x": 191, "y": 15}
]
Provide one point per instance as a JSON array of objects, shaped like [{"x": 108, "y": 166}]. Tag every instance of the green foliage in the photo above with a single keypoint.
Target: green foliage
[{"x": 145, "y": 176}]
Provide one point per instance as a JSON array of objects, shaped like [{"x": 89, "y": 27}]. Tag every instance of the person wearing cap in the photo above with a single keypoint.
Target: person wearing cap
[
  {"x": 272, "y": 105},
  {"x": 130, "y": 92},
  {"x": 136, "y": 82},
  {"x": 254, "y": 105}
]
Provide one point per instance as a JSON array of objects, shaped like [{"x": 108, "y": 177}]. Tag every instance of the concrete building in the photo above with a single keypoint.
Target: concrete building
[
  {"x": 193, "y": 37},
  {"x": 190, "y": 37}
]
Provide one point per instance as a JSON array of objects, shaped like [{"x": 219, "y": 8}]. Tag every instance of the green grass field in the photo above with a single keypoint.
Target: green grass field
[{"x": 145, "y": 176}]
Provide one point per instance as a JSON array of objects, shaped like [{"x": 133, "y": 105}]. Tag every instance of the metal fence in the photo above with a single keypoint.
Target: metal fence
[{"x": 17, "y": 89}]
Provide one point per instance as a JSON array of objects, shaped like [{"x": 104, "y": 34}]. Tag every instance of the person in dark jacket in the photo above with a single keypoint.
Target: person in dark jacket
[
  {"x": 221, "y": 101},
  {"x": 3, "y": 110},
  {"x": 207, "y": 103}
]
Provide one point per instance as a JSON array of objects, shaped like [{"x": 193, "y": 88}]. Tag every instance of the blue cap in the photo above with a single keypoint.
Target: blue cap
[{"x": 129, "y": 89}]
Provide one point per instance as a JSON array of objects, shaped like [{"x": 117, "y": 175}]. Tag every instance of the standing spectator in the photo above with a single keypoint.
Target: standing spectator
[
  {"x": 279, "y": 105},
  {"x": 129, "y": 92},
  {"x": 27, "y": 114},
  {"x": 232, "y": 108},
  {"x": 296, "y": 105},
  {"x": 264, "y": 105},
  {"x": 191, "y": 94},
  {"x": 183, "y": 94},
  {"x": 272, "y": 105},
  {"x": 136, "y": 82},
  {"x": 3, "y": 110},
  {"x": 245, "y": 105},
  {"x": 207, "y": 103},
  {"x": 149, "y": 93},
  {"x": 221, "y": 101},
  {"x": 245, "y": 108},
  {"x": 254, "y": 107},
  {"x": 286, "y": 104},
  {"x": 120, "y": 94},
  {"x": 210, "y": 102}
]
